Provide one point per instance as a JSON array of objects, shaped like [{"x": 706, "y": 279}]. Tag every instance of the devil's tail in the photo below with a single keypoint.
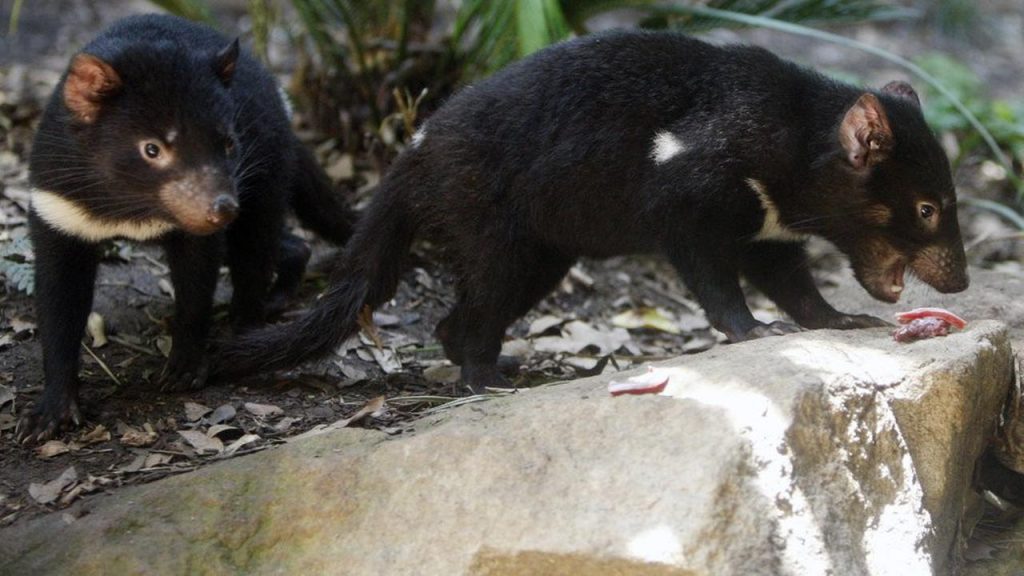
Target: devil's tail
[
  {"x": 317, "y": 205},
  {"x": 365, "y": 273}
]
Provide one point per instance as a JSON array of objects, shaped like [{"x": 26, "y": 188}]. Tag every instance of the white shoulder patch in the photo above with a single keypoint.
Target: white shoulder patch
[
  {"x": 666, "y": 147},
  {"x": 772, "y": 228},
  {"x": 418, "y": 137},
  {"x": 286, "y": 101},
  {"x": 68, "y": 217}
]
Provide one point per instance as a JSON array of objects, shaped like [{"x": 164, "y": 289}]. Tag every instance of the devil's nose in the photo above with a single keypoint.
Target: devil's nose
[
  {"x": 958, "y": 284},
  {"x": 223, "y": 210}
]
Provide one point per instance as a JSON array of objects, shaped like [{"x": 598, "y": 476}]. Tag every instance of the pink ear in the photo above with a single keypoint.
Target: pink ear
[
  {"x": 865, "y": 133},
  {"x": 90, "y": 80},
  {"x": 903, "y": 90}
]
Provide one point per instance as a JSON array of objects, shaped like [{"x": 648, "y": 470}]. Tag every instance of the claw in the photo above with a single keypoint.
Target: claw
[
  {"x": 774, "y": 329},
  {"x": 852, "y": 321},
  {"x": 42, "y": 423}
]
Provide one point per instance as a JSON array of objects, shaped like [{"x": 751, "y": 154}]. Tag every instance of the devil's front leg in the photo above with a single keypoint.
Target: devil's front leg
[
  {"x": 194, "y": 262},
  {"x": 709, "y": 266},
  {"x": 254, "y": 244},
  {"x": 780, "y": 270},
  {"x": 65, "y": 275}
]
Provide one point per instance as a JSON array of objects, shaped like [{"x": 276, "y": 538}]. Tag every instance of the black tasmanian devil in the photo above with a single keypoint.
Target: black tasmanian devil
[
  {"x": 724, "y": 159},
  {"x": 163, "y": 130}
]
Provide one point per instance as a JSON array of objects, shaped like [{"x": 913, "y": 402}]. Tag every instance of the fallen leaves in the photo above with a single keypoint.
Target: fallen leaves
[
  {"x": 647, "y": 318},
  {"x": 263, "y": 410},
  {"x": 201, "y": 442},
  {"x": 578, "y": 336},
  {"x": 372, "y": 406},
  {"x": 194, "y": 411},
  {"x": 96, "y": 329},
  {"x": 50, "y": 491},
  {"x": 131, "y": 436}
]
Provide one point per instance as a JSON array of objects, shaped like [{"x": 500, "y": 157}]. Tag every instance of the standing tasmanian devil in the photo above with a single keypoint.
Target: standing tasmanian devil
[
  {"x": 722, "y": 159},
  {"x": 162, "y": 130}
]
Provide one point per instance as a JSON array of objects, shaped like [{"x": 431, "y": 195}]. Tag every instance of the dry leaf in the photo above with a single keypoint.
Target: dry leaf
[
  {"x": 384, "y": 319},
  {"x": 579, "y": 336},
  {"x": 578, "y": 275},
  {"x": 386, "y": 359},
  {"x": 424, "y": 279},
  {"x": 135, "y": 437},
  {"x": 263, "y": 410},
  {"x": 351, "y": 373},
  {"x": 97, "y": 330},
  {"x": 543, "y": 324},
  {"x": 201, "y": 442},
  {"x": 517, "y": 347},
  {"x": 223, "y": 429},
  {"x": 50, "y": 491},
  {"x": 154, "y": 460},
  {"x": 94, "y": 436},
  {"x": 234, "y": 446},
  {"x": 163, "y": 344},
  {"x": 166, "y": 287},
  {"x": 6, "y": 395},
  {"x": 442, "y": 374},
  {"x": 222, "y": 414},
  {"x": 52, "y": 448},
  {"x": 20, "y": 325},
  {"x": 648, "y": 318},
  {"x": 690, "y": 322},
  {"x": 371, "y": 406},
  {"x": 285, "y": 423},
  {"x": 135, "y": 465},
  {"x": 581, "y": 362},
  {"x": 699, "y": 343},
  {"x": 195, "y": 411},
  {"x": 340, "y": 167},
  {"x": 365, "y": 321}
]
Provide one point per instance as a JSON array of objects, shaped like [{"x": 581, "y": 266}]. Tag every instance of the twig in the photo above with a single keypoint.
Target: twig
[
  {"x": 102, "y": 364},
  {"x": 135, "y": 347}
]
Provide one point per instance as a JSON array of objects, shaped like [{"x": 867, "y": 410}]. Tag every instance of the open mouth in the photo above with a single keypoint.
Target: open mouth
[{"x": 896, "y": 280}]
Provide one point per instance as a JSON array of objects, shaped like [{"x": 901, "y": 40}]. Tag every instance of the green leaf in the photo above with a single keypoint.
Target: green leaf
[
  {"x": 539, "y": 23},
  {"x": 196, "y": 10}
]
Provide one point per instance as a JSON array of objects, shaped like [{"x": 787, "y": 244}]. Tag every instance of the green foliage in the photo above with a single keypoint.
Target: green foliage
[
  {"x": 16, "y": 265},
  {"x": 197, "y": 10},
  {"x": 805, "y": 11},
  {"x": 1004, "y": 120},
  {"x": 12, "y": 24}
]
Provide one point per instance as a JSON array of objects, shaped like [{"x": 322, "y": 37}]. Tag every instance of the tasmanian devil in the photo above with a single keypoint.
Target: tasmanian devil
[
  {"x": 163, "y": 130},
  {"x": 724, "y": 159}
]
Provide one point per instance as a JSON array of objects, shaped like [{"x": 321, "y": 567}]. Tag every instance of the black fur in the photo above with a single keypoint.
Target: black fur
[
  {"x": 551, "y": 159},
  {"x": 226, "y": 170}
]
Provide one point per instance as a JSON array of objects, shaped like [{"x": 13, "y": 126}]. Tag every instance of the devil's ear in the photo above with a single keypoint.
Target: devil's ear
[
  {"x": 89, "y": 82},
  {"x": 901, "y": 89},
  {"x": 224, "y": 62},
  {"x": 864, "y": 133}
]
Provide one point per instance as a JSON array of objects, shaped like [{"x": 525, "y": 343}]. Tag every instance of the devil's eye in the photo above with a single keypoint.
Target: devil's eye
[
  {"x": 151, "y": 150},
  {"x": 229, "y": 145},
  {"x": 926, "y": 210}
]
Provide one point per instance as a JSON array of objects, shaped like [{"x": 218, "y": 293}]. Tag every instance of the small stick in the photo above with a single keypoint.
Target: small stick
[{"x": 102, "y": 364}]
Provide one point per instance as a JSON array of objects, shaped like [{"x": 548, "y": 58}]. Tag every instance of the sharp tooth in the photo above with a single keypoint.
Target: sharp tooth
[{"x": 896, "y": 288}]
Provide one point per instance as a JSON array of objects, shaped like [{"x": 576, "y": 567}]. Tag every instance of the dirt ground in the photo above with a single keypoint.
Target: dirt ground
[{"x": 134, "y": 433}]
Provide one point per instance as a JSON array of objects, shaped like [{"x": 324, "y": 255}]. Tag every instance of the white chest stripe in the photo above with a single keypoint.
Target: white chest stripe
[
  {"x": 772, "y": 228},
  {"x": 666, "y": 147},
  {"x": 68, "y": 217}
]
